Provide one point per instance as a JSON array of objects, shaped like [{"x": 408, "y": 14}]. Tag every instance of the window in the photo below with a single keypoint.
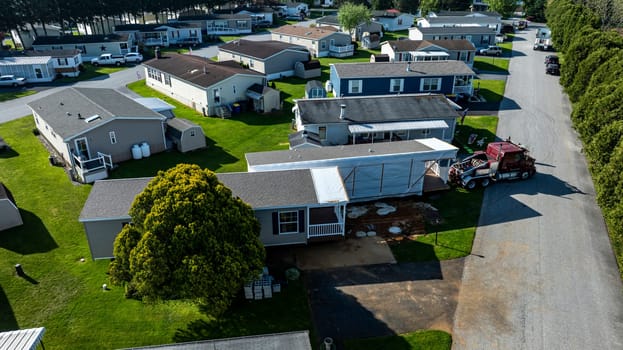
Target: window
[
  {"x": 430, "y": 84},
  {"x": 154, "y": 74},
  {"x": 62, "y": 61},
  {"x": 113, "y": 137},
  {"x": 123, "y": 46},
  {"x": 399, "y": 21},
  {"x": 322, "y": 132},
  {"x": 217, "y": 96},
  {"x": 250, "y": 63},
  {"x": 396, "y": 85},
  {"x": 354, "y": 86},
  {"x": 167, "y": 79},
  {"x": 462, "y": 80},
  {"x": 192, "y": 133},
  {"x": 323, "y": 44},
  {"x": 425, "y": 132},
  {"x": 463, "y": 57},
  {"x": 82, "y": 48},
  {"x": 76, "y": 60},
  {"x": 288, "y": 222},
  {"x": 485, "y": 39}
]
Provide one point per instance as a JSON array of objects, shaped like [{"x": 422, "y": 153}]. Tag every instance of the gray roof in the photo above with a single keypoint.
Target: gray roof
[
  {"x": 336, "y": 152},
  {"x": 399, "y": 69},
  {"x": 80, "y": 39},
  {"x": 181, "y": 124},
  {"x": 260, "y": 49},
  {"x": 68, "y": 110},
  {"x": 272, "y": 189},
  {"x": 304, "y": 137},
  {"x": 112, "y": 199},
  {"x": 412, "y": 45},
  {"x": 468, "y": 13},
  {"x": 463, "y": 20},
  {"x": 298, "y": 340},
  {"x": 375, "y": 109},
  {"x": 311, "y": 84},
  {"x": 456, "y": 30},
  {"x": 330, "y": 19}
]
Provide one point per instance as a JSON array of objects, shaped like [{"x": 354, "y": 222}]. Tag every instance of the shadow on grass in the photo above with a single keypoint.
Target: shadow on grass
[
  {"x": 273, "y": 118},
  {"x": 8, "y": 153},
  {"x": 212, "y": 157},
  {"x": 30, "y": 238},
  {"x": 484, "y": 66},
  {"x": 7, "y": 317}
]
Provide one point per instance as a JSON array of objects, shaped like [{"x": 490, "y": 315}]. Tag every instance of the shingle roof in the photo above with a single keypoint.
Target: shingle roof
[
  {"x": 412, "y": 45},
  {"x": 468, "y": 13},
  {"x": 53, "y": 53},
  {"x": 149, "y": 27},
  {"x": 198, "y": 70},
  {"x": 330, "y": 19},
  {"x": 272, "y": 189},
  {"x": 306, "y": 32},
  {"x": 399, "y": 69},
  {"x": 5, "y": 193},
  {"x": 112, "y": 199},
  {"x": 379, "y": 109},
  {"x": 214, "y": 16},
  {"x": 336, "y": 152},
  {"x": 181, "y": 124},
  {"x": 248, "y": 9},
  {"x": 66, "y": 111},
  {"x": 80, "y": 39},
  {"x": 456, "y": 30},
  {"x": 24, "y": 60},
  {"x": 462, "y": 20},
  {"x": 259, "y": 49}
]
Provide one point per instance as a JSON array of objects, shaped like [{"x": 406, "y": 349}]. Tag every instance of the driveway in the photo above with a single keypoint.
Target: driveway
[
  {"x": 379, "y": 300},
  {"x": 548, "y": 279}
]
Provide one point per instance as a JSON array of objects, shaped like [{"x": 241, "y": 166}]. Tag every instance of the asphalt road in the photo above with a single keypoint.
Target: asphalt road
[{"x": 548, "y": 279}]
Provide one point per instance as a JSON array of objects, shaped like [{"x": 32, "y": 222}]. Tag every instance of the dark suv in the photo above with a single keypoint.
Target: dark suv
[
  {"x": 552, "y": 68},
  {"x": 551, "y": 59}
]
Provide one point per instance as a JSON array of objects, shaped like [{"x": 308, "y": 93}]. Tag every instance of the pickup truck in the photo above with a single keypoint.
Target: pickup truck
[
  {"x": 108, "y": 59},
  {"x": 492, "y": 50}
]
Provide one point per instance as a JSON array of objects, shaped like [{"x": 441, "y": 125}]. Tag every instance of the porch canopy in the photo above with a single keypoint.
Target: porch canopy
[
  {"x": 23, "y": 339},
  {"x": 430, "y": 54},
  {"x": 397, "y": 126}
]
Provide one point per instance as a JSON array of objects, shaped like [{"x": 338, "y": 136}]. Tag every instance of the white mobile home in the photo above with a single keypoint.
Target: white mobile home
[{"x": 371, "y": 171}]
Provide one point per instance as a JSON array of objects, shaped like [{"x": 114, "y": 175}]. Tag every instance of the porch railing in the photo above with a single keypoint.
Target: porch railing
[
  {"x": 341, "y": 51},
  {"x": 464, "y": 89},
  {"x": 322, "y": 230}
]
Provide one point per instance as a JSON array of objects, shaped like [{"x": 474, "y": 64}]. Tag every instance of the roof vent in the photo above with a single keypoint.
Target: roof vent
[
  {"x": 342, "y": 111},
  {"x": 68, "y": 114},
  {"x": 92, "y": 118},
  {"x": 80, "y": 116}
]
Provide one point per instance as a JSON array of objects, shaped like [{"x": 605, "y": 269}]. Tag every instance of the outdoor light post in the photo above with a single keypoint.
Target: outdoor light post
[{"x": 436, "y": 223}]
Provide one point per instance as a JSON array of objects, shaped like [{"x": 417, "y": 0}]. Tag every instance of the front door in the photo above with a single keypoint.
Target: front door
[{"x": 82, "y": 148}]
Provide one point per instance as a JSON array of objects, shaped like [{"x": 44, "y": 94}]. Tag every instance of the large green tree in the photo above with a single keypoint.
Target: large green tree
[
  {"x": 503, "y": 7},
  {"x": 536, "y": 9},
  {"x": 429, "y": 6},
  {"x": 351, "y": 15},
  {"x": 189, "y": 239}
]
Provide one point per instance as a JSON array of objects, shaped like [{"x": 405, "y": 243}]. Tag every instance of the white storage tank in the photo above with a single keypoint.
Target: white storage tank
[
  {"x": 145, "y": 150},
  {"x": 136, "y": 152}
]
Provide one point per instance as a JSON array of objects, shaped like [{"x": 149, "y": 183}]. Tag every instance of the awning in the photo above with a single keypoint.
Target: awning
[
  {"x": 397, "y": 126},
  {"x": 254, "y": 95},
  {"x": 430, "y": 54}
]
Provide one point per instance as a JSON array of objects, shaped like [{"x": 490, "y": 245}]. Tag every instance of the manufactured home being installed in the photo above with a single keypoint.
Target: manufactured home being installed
[{"x": 371, "y": 171}]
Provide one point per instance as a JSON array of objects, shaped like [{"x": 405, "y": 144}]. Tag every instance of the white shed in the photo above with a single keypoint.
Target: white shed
[
  {"x": 9, "y": 212},
  {"x": 185, "y": 135},
  {"x": 371, "y": 171}
]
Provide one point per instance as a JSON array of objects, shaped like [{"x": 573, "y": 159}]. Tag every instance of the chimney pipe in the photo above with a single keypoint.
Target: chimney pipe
[{"x": 342, "y": 111}]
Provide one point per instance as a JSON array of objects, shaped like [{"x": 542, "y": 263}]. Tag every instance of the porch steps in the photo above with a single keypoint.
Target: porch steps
[{"x": 223, "y": 112}]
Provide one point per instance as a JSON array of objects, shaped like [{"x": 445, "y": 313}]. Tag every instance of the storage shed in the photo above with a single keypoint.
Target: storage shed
[
  {"x": 308, "y": 69},
  {"x": 185, "y": 135},
  {"x": 265, "y": 99},
  {"x": 371, "y": 171},
  {"x": 9, "y": 213},
  {"x": 314, "y": 89}
]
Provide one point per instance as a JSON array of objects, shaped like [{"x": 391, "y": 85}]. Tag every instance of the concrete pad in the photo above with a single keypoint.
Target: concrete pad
[{"x": 349, "y": 252}]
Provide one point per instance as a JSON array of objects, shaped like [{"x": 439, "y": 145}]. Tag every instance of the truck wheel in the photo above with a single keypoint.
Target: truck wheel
[
  {"x": 96, "y": 64},
  {"x": 485, "y": 182},
  {"x": 117, "y": 63},
  {"x": 525, "y": 175},
  {"x": 470, "y": 185}
]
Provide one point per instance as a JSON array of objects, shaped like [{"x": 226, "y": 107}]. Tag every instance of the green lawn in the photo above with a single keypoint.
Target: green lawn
[
  {"x": 458, "y": 208},
  {"x": 491, "y": 90},
  {"x": 491, "y": 64},
  {"x": 420, "y": 340},
  {"x": 5, "y": 96}
]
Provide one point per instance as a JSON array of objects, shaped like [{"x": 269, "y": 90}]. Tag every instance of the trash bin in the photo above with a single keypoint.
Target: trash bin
[
  {"x": 236, "y": 108},
  {"x": 52, "y": 160}
]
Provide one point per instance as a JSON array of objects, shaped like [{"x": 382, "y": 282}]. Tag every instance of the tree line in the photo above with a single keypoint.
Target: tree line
[{"x": 591, "y": 44}]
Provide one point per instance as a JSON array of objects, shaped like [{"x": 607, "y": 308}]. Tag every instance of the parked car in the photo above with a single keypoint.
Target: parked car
[
  {"x": 552, "y": 68},
  {"x": 551, "y": 59},
  {"x": 108, "y": 59},
  {"x": 133, "y": 57},
  {"x": 492, "y": 50},
  {"x": 187, "y": 42},
  {"x": 12, "y": 80}
]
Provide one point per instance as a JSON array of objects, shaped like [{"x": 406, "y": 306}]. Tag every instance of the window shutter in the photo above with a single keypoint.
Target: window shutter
[
  {"x": 275, "y": 223},
  {"x": 301, "y": 220}
]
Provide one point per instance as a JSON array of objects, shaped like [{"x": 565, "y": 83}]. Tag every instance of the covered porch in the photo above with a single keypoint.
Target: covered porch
[
  {"x": 90, "y": 170},
  {"x": 395, "y": 131},
  {"x": 341, "y": 50},
  {"x": 326, "y": 221}
]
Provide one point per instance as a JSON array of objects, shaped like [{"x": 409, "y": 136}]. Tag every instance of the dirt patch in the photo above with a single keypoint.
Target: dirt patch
[{"x": 410, "y": 216}]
